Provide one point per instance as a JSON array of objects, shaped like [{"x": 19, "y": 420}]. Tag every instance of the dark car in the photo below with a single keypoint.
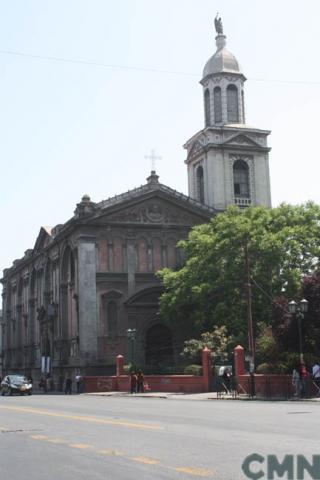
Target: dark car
[{"x": 16, "y": 384}]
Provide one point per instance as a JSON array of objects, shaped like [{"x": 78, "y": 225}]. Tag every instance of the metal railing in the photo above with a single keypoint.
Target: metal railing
[{"x": 274, "y": 387}]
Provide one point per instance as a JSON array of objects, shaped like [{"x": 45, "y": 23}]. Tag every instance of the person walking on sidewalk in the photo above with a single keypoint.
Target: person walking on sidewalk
[
  {"x": 133, "y": 382},
  {"x": 296, "y": 381},
  {"x": 316, "y": 376},
  {"x": 78, "y": 380},
  {"x": 68, "y": 389},
  {"x": 140, "y": 382}
]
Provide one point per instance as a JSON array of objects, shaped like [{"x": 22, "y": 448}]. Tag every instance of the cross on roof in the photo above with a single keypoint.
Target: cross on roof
[{"x": 153, "y": 157}]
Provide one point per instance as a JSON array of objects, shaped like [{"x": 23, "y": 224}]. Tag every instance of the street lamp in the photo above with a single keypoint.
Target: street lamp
[
  {"x": 299, "y": 310},
  {"x": 131, "y": 334}
]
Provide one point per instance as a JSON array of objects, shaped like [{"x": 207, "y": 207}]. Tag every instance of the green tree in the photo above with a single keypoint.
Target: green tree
[
  {"x": 216, "y": 340},
  {"x": 286, "y": 327},
  {"x": 283, "y": 244}
]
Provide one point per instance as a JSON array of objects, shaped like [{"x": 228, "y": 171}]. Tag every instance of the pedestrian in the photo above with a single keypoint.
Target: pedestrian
[
  {"x": 43, "y": 384},
  {"x": 48, "y": 383},
  {"x": 304, "y": 375},
  {"x": 78, "y": 380},
  {"x": 220, "y": 383},
  {"x": 133, "y": 382},
  {"x": 68, "y": 389},
  {"x": 296, "y": 382},
  {"x": 140, "y": 382},
  {"x": 227, "y": 380},
  {"x": 316, "y": 376}
]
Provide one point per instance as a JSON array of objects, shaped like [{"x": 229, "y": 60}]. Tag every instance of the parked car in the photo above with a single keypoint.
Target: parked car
[{"x": 15, "y": 384}]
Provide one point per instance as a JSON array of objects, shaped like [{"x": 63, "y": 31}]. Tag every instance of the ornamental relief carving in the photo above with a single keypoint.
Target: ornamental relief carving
[
  {"x": 258, "y": 139},
  {"x": 227, "y": 135},
  {"x": 153, "y": 213},
  {"x": 242, "y": 140},
  {"x": 203, "y": 140},
  {"x": 235, "y": 156},
  {"x": 232, "y": 78},
  {"x": 195, "y": 150}
]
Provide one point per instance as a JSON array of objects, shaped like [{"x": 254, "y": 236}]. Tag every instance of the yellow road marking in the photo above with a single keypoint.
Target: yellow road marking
[
  {"x": 81, "y": 446},
  {"x": 81, "y": 418},
  {"x": 111, "y": 452},
  {"x": 200, "y": 472},
  {"x": 39, "y": 437},
  {"x": 146, "y": 460},
  {"x": 56, "y": 440}
]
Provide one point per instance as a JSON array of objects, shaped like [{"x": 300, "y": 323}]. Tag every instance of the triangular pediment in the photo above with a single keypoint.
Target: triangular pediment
[
  {"x": 43, "y": 239},
  {"x": 242, "y": 140},
  {"x": 195, "y": 150},
  {"x": 157, "y": 208}
]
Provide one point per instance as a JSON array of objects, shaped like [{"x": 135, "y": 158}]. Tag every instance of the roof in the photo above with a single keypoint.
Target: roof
[
  {"x": 222, "y": 61},
  {"x": 154, "y": 186}
]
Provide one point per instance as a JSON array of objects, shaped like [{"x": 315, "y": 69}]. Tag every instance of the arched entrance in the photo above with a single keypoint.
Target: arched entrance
[{"x": 159, "y": 348}]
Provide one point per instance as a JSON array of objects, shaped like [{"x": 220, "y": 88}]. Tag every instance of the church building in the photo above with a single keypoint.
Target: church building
[{"x": 88, "y": 291}]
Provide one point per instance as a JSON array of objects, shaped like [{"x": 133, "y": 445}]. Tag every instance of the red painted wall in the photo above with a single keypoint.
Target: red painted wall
[{"x": 157, "y": 383}]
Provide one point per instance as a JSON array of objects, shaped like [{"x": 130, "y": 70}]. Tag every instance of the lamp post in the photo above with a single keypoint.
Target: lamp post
[
  {"x": 131, "y": 334},
  {"x": 299, "y": 310}
]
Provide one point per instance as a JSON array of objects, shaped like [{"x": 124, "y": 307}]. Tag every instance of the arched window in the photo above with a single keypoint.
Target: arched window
[
  {"x": 112, "y": 318},
  {"x": 241, "y": 179},
  {"x": 232, "y": 104},
  {"x": 200, "y": 184},
  {"x": 207, "y": 107},
  {"x": 72, "y": 268},
  {"x": 217, "y": 105}
]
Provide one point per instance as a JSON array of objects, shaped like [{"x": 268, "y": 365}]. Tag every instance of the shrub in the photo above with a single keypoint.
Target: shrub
[
  {"x": 272, "y": 368},
  {"x": 264, "y": 368},
  {"x": 193, "y": 370},
  {"x": 127, "y": 369}
]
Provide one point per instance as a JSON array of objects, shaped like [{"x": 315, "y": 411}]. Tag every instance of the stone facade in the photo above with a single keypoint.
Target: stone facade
[
  {"x": 87, "y": 291},
  {"x": 69, "y": 302}
]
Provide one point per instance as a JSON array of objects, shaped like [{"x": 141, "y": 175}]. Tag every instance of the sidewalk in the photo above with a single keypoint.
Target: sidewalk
[
  {"x": 185, "y": 396},
  {"x": 196, "y": 396}
]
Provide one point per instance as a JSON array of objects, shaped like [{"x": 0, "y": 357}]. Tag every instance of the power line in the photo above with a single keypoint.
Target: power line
[
  {"x": 273, "y": 301},
  {"x": 95, "y": 64},
  {"x": 141, "y": 69}
]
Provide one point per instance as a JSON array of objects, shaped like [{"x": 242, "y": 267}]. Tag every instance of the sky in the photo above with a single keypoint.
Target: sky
[{"x": 89, "y": 87}]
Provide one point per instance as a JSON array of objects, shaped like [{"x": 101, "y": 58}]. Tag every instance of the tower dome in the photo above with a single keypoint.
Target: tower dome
[
  {"x": 222, "y": 61},
  {"x": 223, "y": 85}
]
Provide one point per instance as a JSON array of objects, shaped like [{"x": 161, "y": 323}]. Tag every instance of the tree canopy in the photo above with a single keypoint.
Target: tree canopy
[{"x": 282, "y": 245}]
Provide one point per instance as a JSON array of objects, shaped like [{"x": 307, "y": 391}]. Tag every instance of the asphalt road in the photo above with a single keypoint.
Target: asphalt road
[{"x": 83, "y": 437}]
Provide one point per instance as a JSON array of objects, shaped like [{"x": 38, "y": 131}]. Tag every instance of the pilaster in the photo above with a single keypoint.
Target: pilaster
[{"x": 88, "y": 324}]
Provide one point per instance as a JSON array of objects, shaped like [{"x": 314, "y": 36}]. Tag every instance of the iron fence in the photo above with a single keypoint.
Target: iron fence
[{"x": 267, "y": 387}]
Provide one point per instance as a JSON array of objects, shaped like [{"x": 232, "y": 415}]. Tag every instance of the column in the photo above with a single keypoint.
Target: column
[{"x": 88, "y": 324}]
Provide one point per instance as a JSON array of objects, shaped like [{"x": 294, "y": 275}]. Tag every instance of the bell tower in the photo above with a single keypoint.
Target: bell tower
[{"x": 228, "y": 161}]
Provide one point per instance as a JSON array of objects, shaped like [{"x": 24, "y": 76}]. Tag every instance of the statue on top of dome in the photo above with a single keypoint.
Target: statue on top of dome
[{"x": 218, "y": 24}]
